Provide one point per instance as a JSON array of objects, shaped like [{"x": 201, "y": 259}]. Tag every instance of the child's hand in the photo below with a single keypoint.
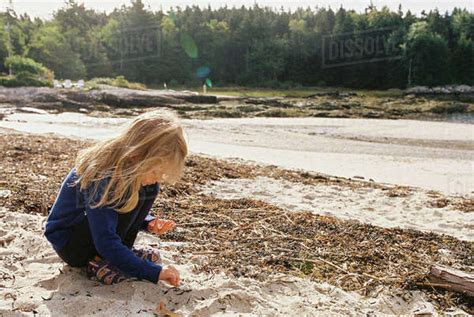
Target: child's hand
[
  {"x": 160, "y": 226},
  {"x": 170, "y": 275}
]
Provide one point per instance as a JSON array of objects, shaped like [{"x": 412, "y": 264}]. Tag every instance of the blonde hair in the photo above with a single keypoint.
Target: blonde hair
[{"x": 153, "y": 139}]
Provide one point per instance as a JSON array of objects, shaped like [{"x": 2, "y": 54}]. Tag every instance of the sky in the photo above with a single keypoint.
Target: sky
[{"x": 45, "y": 9}]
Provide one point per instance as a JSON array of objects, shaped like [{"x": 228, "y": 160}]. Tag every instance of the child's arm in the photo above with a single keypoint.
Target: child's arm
[{"x": 103, "y": 222}]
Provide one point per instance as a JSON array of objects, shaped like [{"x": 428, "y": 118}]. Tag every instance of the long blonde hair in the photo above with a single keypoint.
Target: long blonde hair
[{"x": 151, "y": 140}]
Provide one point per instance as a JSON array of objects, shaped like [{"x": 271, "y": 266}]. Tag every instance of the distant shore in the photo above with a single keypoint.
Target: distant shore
[{"x": 246, "y": 103}]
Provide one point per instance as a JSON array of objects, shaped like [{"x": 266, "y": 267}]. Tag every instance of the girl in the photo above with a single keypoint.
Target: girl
[{"x": 105, "y": 199}]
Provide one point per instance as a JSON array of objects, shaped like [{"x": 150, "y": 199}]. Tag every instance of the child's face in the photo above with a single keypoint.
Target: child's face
[
  {"x": 155, "y": 175},
  {"x": 152, "y": 177}
]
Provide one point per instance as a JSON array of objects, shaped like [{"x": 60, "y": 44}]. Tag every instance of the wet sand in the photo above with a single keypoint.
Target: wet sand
[{"x": 431, "y": 155}]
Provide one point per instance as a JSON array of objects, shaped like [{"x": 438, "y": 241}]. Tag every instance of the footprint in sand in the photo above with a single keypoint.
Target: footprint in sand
[
  {"x": 261, "y": 193},
  {"x": 234, "y": 302},
  {"x": 309, "y": 196},
  {"x": 6, "y": 238}
]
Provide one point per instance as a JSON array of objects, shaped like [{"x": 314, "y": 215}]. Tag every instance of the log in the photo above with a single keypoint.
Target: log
[{"x": 452, "y": 280}]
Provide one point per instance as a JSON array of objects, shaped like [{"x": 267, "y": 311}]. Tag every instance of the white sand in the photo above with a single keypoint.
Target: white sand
[
  {"x": 32, "y": 282},
  {"x": 367, "y": 205}
]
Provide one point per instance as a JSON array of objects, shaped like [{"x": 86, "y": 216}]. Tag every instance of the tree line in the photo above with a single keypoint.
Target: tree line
[{"x": 247, "y": 46}]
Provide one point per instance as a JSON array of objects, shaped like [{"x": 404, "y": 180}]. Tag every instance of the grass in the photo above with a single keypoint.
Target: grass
[{"x": 118, "y": 81}]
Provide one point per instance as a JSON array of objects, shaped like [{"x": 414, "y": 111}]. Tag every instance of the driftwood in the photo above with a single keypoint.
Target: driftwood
[{"x": 452, "y": 280}]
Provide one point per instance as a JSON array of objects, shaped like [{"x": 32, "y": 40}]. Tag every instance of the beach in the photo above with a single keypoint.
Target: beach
[
  {"x": 41, "y": 285},
  {"x": 254, "y": 239},
  {"x": 283, "y": 160}
]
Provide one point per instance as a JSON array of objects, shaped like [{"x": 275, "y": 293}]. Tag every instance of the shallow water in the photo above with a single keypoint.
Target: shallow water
[
  {"x": 460, "y": 117},
  {"x": 427, "y": 154}
]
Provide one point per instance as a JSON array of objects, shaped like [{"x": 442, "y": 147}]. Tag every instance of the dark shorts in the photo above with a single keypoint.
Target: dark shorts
[{"x": 80, "y": 248}]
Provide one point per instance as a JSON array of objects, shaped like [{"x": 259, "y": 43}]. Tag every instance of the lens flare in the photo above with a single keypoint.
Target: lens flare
[
  {"x": 203, "y": 71},
  {"x": 188, "y": 45}
]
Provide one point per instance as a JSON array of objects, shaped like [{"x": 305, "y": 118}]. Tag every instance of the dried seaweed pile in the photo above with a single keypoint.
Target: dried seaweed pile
[
  {"x": 33, "y": 168},
  {"x": 251, "y": 238}
]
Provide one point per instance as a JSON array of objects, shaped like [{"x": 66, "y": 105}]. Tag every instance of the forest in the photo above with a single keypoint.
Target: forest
[{"x": 240, "y": 46}]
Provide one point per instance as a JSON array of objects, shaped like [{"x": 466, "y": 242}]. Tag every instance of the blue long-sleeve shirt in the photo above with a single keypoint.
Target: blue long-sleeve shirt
[{"x": 72, "y": 205}]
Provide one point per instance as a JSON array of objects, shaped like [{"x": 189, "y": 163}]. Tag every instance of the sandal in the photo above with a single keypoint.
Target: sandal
[
  {"x": 152, "y": 256},
  {"x": 107, "y": 274},
  {"x": 104, "y": 272}
]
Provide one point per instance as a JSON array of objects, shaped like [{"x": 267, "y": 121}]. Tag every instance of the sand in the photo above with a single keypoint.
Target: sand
[
  {"x": 431, "y": 155},
  {"x": 367, "y": 205},
  {"x": 36, "y": 281}
]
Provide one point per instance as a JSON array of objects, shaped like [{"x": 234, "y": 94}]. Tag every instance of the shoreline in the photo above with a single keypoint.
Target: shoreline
[
  {"x": 329, "y": 103},
  {"x": 438, "y": 155}
]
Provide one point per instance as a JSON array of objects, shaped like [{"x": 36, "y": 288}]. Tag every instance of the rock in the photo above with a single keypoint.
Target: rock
[
  {"x": 49, "y": 98},
  {"x": 351, "y": 105},
  {"x": 398, "y": 112},
  {"x": 323, "y": 114},
  {"x": 269, "y": 101},
  {"x": 229, "y": 98},
  {"x": 5, "y": 193},
  {"x": 101, "y": 107},
  {"x": 326, "y": 106},
  {"x": 347, "y": 94},
  {"x": 450, "y": 107},
  {"x": 418, "y": 90},
  {"x": 83, "y": 110},
  {"x": 332, "y": 94},
  {"x": 32, "y": 110},
  {"x": 440, "y": 90},
  {"x": 124, "y": 97},
  {"x": 373, "y": 114},
  {"x": 463, "y": 89},
  {"x": 50, "y": 106},
  {"x": 200, "y": 99},
  {"x": 125, "y": 112}
]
